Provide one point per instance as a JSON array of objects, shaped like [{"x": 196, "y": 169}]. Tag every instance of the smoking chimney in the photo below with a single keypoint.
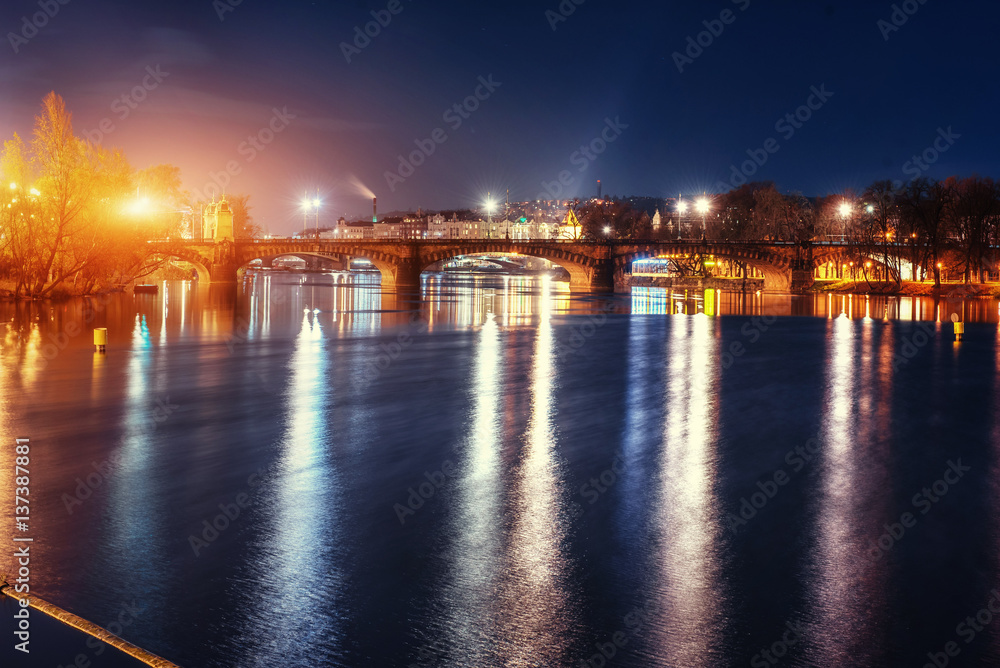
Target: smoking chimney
[
  {"x": 374, "y": 209},
  {"x": 598, "y": 189}
]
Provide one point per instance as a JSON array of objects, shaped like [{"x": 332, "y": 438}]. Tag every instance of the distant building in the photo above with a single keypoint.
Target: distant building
[
  {"x": 354, "y": 231},
  {"x": 407, "y": 228}
]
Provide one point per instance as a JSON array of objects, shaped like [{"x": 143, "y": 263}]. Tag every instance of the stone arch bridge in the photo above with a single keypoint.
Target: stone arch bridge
[{"x": 592, "y": 265}]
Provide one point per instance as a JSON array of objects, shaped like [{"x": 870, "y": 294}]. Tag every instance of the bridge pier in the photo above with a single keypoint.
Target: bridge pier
[
  {"x": 223, "y": 273},
  {"x": 802, "y": 281},
  {"x": 403, "y": 274},
  {"x": 602, "y": 277},
  {"x": 407, "y": 274}
]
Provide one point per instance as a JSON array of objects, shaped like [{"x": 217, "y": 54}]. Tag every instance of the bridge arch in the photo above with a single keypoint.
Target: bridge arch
[
  {"x": 573, "y": 266},
  {"x": 268, "y": 260},
  {"x": 196, "y": 260},
  {"x": 775, "y": 267},
  {"x": 584, "y": 271},
  {"x": 841, "y": 256}
]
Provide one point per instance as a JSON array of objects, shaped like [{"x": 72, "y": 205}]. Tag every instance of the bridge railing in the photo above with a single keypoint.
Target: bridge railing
[{"x": 567, "y": 242}]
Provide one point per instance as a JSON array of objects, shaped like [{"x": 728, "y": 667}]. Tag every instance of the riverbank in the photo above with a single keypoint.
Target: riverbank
[{"x": 908, "y": 289}]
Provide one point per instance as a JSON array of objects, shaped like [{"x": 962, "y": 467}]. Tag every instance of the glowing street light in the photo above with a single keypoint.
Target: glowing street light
[
  {"x": 845, "y": 209},
  {"x": 682, "y": 208},
  {"x": 702, "y": 206},
  {"x": 490, "y": 205},
  {"x": 607, "y": 229},
  {"x": 308, "y": 204},
  {"x": 316, "y": 204},
  {"x": 13, "y": 186},
  {"x": 138, "y": 207}
]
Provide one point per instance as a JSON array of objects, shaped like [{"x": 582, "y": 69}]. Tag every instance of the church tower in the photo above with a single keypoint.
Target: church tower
[{"x": 224, "y": 222}]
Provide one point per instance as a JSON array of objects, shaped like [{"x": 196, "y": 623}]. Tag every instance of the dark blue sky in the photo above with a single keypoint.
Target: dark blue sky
[{"x": 346, "y": 123}]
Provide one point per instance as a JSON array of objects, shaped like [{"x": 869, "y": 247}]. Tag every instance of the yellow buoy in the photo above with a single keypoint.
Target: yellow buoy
[
  {"x": 959, "y": 330},
  {"x": 101, "y": 338}
]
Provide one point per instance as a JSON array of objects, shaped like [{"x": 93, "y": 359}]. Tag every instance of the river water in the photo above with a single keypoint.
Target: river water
[{"x": 303, "y": 471}]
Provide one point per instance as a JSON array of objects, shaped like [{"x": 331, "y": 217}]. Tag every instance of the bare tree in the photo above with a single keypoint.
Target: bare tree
[
  {"x": 972, "y": 215},
  {"x": 924, "y": 204}
]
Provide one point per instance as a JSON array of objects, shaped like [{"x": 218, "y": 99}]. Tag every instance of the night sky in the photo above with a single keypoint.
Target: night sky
[{"x": 608, "y": 68}]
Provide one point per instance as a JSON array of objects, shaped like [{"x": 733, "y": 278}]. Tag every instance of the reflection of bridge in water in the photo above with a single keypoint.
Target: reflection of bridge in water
[{"x": 592, "y": 266}]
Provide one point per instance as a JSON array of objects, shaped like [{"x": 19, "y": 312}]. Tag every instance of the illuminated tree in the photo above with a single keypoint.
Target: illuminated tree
[{"x": 243, "y": 225}]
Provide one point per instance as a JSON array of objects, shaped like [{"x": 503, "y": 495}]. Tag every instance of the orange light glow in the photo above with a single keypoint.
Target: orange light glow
[{"x": 139, "y": 207}]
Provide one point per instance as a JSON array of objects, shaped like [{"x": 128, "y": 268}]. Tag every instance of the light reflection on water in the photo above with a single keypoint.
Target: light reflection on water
[
  {"x": 471, "y": 615},
  {"x": 658, "y": 301},
  {"x": 538, "y": 616},
  {"x": 285, "y": 373},
  {"x": 851, "y": 501},
  {"x": 297, "y": 565},
  {"x": 684, "y": 586}
]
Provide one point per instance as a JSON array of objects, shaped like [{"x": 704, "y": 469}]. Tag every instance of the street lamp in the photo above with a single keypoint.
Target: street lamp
[
  {"x": 682, "y": 208},
  {"x": 138, "y": 207},
  {"x": 702, "y": 206},
  {"x": 490, "y": 205},
  {"x": 316, "y": 204},
  {"x": 846, "y": 211}
]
